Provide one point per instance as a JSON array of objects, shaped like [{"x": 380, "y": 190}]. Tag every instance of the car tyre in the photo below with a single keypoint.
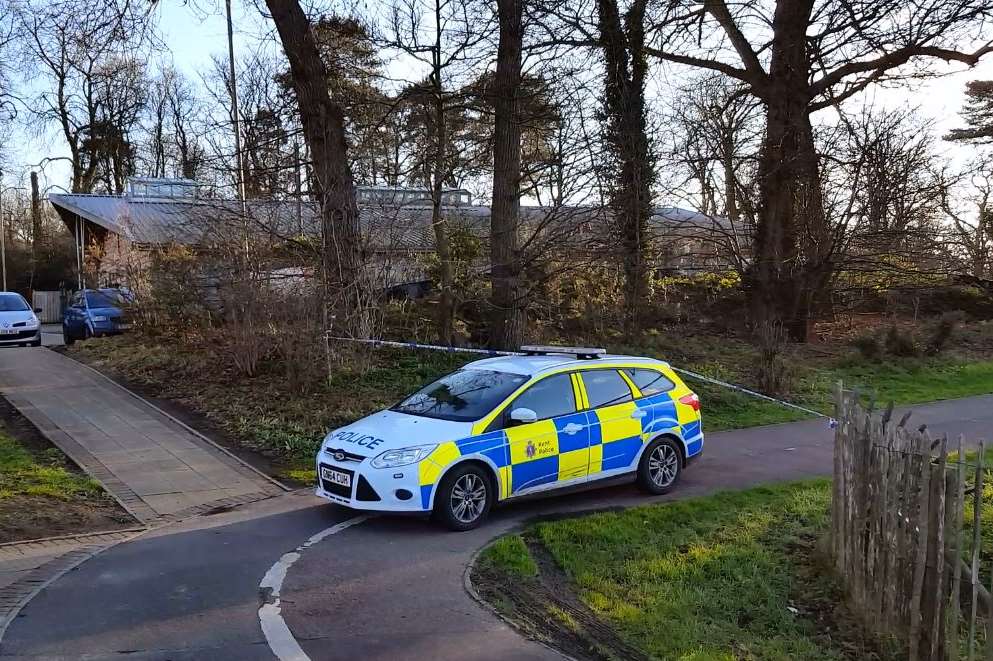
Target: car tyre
[
  {"x": 464, "y": 498},
  {"x": 661, "y": 466},
  {"x": 87, "y": 333},
  {"x": 36, "y": 343},
  {"x": 67, "y": 337}
]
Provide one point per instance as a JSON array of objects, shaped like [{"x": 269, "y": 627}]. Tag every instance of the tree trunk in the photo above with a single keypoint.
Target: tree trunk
[
  {"x": 324, "y": 130},
  {"x": 630, "y": 199},
  {"x": 35, "y": 228},
  {"x": 508, "y": 321},
  {"x": 792, "y": 247},
  {"x": 446, "y": 302}
]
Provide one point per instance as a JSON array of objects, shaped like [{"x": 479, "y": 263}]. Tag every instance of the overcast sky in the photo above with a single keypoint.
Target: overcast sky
[{"x": 195, "y": 33}]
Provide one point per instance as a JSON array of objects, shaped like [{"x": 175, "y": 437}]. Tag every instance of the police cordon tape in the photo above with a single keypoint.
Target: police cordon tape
[{"x": 494, "y": 352}]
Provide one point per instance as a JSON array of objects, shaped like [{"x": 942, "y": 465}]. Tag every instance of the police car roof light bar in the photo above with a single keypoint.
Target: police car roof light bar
[{"x": 582, "y": 353}]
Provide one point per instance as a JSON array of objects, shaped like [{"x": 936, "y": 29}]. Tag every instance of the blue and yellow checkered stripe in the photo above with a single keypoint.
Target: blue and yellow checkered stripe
[{"x": 541, "y": 453}]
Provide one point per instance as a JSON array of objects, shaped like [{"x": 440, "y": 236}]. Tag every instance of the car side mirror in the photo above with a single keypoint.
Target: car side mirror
[
  {"x": 523, "y": 416},
  {"x": 37, "y": 310}
]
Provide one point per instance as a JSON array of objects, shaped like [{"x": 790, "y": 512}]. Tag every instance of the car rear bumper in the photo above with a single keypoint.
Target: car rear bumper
[
  {"x": 110, "y": 328},
  {"x": 371, "y": 489}
]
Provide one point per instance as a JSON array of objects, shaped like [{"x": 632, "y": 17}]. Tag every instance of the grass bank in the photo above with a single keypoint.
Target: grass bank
[
  {"x": 42, "y": 493},
  {"x": 730, "y": 576},
  {"x": 265, "y": 414},
  {"x": 262, "y": 413}
]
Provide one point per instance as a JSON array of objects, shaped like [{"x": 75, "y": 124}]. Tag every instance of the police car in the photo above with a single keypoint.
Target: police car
[{"x": 506, "y": 427}]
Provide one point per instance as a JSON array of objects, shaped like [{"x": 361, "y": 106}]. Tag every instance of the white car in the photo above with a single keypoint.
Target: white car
[
  {"x": 18, "y": 323},
  {"x": 506, "y": 427}
]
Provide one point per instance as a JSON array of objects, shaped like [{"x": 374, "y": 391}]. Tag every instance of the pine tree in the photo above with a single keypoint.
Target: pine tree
[{"x": 978, "y": 113}]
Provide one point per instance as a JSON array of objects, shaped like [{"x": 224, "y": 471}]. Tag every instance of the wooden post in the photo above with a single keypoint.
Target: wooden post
[
  {"x": 920, "y": 552},
  {"x": 933, "y": 600},
  {"x": 955, "y": 549},
  {"x": 977, "y": 506}
]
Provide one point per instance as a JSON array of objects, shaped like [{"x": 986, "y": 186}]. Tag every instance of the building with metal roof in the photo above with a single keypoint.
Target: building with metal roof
[{"x": 155, "y": 213}]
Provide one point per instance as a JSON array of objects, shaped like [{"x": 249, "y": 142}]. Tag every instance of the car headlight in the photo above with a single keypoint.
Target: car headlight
[
  {"x": 403, "y": 456},
  {"x": 99, "y": 317}
]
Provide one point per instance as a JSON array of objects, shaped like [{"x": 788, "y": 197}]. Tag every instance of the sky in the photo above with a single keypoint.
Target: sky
[{"x": 194, "y": 31}]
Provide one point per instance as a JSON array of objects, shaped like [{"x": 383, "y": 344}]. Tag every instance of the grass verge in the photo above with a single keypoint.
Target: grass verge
[
  {"x": 264, "y": 414},
  {"x": 729, "y": 576},
  {"x": 42, "y": 493}
]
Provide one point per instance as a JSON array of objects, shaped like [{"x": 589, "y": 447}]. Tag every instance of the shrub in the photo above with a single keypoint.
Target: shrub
[
  {"x": 900, "y": 343},
  {"x": 943, "y": 332},
  {"x": 868, "y": 346}
]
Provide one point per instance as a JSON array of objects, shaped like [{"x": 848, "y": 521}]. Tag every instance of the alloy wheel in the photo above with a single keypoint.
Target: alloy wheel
[
  {"x": 468, "y": 498},
  {"x": 663, "y": 465}
]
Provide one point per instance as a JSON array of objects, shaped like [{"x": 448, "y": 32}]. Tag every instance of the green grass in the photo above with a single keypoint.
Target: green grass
[
  {"x": 903, "y": 381},
  {"x": 708, "y": 578},
  {"x": 22, "y": 474},
  {"x": 510, "y": 555},
  {"x": 264, "y": 414}
]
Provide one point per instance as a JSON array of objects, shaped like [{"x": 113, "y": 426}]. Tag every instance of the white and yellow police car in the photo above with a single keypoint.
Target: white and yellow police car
[{"x": 510, "y": 426}]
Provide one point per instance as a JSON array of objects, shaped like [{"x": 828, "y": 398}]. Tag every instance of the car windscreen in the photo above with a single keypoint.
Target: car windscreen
[
  {"x": 13, "y": 303},
  {"x": 104, "y": 299},
  {"x": 462, "y": 396}
]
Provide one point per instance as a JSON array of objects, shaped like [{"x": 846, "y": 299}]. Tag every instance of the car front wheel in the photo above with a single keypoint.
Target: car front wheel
[
  {"x": 464, "y": 498},
  {"x": 661, "y": 466},
  {"x": 67, "y": 337}
]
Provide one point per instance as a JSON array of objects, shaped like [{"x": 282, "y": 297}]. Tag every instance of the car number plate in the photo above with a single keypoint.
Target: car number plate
[
  {"x": 8, "y": 331},
  {"x": 337, "y": 477},
  {"x": 124, "y": 326}
]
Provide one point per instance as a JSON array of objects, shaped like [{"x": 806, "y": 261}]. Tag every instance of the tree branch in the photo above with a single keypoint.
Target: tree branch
[
  {"x": 719, "y": 10},
  {"x": 713, "y": 65},
  {"x": 897, "y": 58}
]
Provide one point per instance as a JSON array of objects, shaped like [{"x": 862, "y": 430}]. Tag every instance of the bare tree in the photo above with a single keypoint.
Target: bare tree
[
  {"x": 173, "y": 126},
  {"x": 625, "y": 133},
  {"x": 971, "y": 215},
  {"x": 323, "y": 123},
  {"x": 717, "y": 136},
  {"x": 443, "y": 45},
  {"x": 92, "y": 89},
  {"x": 798, "y": 57}
]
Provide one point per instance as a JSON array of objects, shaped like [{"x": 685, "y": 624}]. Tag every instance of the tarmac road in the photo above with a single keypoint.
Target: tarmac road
[{"x": 386, "y": 588}]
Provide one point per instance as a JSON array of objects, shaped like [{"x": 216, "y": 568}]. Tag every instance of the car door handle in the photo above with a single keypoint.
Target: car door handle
[
  {"x": 639, "y": 413},
  {"x": 572, "y": 428}
]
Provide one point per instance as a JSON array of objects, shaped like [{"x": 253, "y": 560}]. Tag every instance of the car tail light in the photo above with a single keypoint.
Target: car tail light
[{"x": 691, "y": 400}]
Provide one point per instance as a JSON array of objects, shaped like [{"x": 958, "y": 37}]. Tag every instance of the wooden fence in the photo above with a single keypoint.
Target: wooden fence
[{"x": 906, "y": 534}]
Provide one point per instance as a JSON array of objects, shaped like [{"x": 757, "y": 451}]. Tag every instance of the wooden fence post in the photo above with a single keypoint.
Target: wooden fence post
[{"x": 977, "y": 506}]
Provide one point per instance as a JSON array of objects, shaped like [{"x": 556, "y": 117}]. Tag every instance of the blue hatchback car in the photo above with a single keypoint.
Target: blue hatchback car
[{"x": 94, "y": 312}]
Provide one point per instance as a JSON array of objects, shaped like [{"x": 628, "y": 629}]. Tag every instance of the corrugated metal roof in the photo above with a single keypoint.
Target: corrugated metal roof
[{"x": 158, "y": 221}]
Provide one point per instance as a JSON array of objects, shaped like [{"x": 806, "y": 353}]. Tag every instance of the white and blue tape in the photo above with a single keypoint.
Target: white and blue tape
[{"x": 491, "y": 352}]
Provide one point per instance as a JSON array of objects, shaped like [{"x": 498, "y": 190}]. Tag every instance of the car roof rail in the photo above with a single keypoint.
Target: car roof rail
[{"x": 582, "y": 353}]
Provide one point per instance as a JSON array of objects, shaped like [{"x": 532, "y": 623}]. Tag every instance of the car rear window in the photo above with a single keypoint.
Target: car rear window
[
  {"x": 606, "y": 388},
  {"x": 104, "y": 299},
  {"x": 462, "y": 396},
  {"x": 649, "y": 382}
]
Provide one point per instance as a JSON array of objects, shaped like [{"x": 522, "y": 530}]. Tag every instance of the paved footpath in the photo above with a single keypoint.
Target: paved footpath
[
  {"x": 389, "y": 588},
  {"x": 155, "y": 466}
]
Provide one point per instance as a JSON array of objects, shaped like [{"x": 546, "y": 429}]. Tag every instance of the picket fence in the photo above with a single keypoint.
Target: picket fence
[{"x": 907, "y": 534}]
